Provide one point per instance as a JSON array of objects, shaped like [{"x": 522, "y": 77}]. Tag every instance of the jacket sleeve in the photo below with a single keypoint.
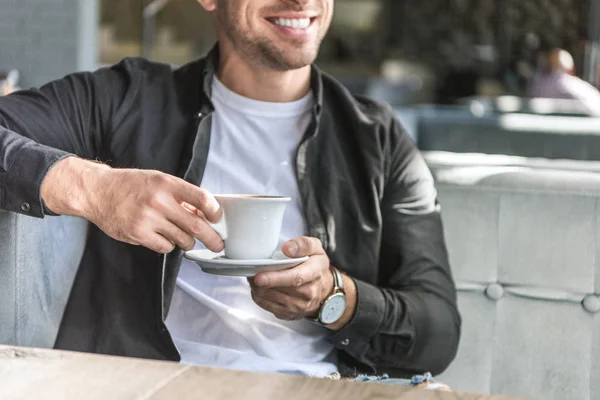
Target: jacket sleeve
[
  {"x": 408, "y": 323},
  {"x": 39, "y": 127}
]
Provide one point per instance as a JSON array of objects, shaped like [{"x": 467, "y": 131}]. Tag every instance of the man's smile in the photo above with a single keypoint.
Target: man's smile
[{"x": 293, "y": 24}]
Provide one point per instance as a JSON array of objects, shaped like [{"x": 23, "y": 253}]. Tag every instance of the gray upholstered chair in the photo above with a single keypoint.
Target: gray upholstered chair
[
  {"x": 463, "y": 129},
  {"x": 38, "y": 262},
  {"x": 437, "y": 160},
  {"x": 524, "y": 245},
  {"x": 539, "y": 106},
  {"x": 576, "y": 138}
]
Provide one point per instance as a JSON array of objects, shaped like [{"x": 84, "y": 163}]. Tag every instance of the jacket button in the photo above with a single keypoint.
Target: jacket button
[
  {"x": 25, "y": 206},
  {"x": 345, "y": 342}
]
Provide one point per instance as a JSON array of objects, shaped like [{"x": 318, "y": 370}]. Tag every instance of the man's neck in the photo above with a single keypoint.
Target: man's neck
[{"x": 260, "y": 83}]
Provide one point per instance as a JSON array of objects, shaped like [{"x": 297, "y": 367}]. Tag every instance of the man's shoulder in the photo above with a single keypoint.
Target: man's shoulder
[
  {"x": 139, "y": 66},
  {"x": 137, "y": 77},
  {"x": 364, "y": 108}
]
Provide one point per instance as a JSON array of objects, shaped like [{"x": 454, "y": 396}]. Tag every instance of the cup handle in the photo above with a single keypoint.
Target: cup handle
[{"x": 220, "y": 227}]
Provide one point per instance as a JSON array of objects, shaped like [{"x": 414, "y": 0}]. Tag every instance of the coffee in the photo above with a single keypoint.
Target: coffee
[{"x": 251, "y": 225}]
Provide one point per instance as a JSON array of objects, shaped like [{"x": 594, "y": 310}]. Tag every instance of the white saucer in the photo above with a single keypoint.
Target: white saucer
[{"x": 216, "y": 263}]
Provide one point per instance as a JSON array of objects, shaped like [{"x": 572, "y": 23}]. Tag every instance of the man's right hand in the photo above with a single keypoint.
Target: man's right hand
[{"x": 140, "y": 207}]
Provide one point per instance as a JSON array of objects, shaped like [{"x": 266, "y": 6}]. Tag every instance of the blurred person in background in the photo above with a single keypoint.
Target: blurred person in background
[
  {"x": 555, "y": 79},
  {"x": 9, "y": 81},
  {"x": 254, "y": 116}
]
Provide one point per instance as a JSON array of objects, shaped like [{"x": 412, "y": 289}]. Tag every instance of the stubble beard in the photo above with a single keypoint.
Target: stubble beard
[{"x": 262, "y": 51}]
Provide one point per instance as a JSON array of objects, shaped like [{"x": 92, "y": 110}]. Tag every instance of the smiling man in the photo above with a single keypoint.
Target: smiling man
[{"x": 254, "y": 116}]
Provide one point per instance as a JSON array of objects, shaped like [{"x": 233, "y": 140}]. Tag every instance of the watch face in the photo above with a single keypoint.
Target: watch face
[{"x": 333, "y": 309}]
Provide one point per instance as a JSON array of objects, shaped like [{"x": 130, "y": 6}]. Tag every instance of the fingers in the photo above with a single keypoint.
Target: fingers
[
  {"x": 195, "y": 226},
  {"x": 277, "y": 307},
  {"x": 301, "y": 247},
  {"x": 304, "y": 302},
  {"x": 304, "y": 293},
  {"x": 150, "y": 211},
  {"x": 305, "y": 273},
  {"x": 176, "y": 235},
  {"x": 193, "y": 210},
  {"x": 159, "y": 244},
  {"x": 201, "y": 199},
  {"x": 160, "y": 235},
  {"x": 297, "y": 292},
  {"x": 272, "y": 295}
]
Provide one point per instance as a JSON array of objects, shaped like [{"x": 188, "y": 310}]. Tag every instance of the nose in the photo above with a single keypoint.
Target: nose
[{"x": 300, "y": 2}]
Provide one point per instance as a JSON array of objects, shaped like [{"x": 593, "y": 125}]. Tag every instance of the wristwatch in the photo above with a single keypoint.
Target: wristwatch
[{"x": 334, "y": 306}]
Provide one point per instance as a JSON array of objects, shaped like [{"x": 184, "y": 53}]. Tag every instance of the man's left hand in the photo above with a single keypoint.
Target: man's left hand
[{"x": 298, "y": 292}]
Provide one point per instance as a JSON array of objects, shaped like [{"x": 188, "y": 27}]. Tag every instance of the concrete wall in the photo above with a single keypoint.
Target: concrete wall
[{"x": 47, "y": 39}]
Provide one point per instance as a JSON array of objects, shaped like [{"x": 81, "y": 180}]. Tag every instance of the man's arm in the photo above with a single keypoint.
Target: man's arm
[
  {"x": 39, "y": 127},
  {"x": 408, "y": 322},
  {"x": 47, "y": 139}
]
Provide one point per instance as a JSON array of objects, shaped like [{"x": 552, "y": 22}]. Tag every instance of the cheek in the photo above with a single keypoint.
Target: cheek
[
  {"x": 328, "y": 13},
  {"x": 235, "y": 16},
  {"x": 250, "y": 19}
]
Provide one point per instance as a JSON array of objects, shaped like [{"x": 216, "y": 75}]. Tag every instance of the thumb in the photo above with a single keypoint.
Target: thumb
[{"x": 301, "y": 247}]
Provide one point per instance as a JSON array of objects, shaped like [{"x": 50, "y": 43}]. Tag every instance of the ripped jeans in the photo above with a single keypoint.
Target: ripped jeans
[{"x": 424, "y": 381}]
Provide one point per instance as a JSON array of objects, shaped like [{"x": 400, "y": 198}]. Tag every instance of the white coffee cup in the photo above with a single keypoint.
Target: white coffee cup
[{"x": 251, "y": 225}]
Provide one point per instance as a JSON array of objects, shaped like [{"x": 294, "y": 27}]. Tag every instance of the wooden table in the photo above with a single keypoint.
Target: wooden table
[{"x": 58, "y": 375}]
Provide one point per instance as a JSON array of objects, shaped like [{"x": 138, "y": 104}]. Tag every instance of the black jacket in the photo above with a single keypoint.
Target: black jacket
[{"x": 367, "y": 195}]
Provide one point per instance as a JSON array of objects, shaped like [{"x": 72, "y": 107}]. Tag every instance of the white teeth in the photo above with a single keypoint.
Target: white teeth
[{"x": 301, "y": 23}]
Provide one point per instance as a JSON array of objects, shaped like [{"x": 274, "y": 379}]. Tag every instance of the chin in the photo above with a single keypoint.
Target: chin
[
  {"x": 297, "y": 64},
  {"x": 284, "y": 58},
  {"x": 296, "y": 61}
]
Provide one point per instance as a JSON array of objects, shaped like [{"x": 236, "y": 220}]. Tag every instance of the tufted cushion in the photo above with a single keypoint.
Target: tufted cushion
[
  {"x": 38, "y": 262},
  {"x": 524, "y": 244}
]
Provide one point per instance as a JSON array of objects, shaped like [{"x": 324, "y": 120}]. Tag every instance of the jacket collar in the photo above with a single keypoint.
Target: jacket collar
[{"x": 212, "y": 64}]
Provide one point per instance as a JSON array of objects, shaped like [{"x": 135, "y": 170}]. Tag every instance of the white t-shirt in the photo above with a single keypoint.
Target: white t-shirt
[{"x": 213, "y": 319}]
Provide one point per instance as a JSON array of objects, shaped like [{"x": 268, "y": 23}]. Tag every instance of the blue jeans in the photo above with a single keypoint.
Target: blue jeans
[
  {"x": 416, "y": 380},
  {"x": 425, "y": 381}
]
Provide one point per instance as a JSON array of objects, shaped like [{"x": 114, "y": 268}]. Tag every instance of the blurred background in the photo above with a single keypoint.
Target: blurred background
[
  {"x": 502, "y": 98},
  {"x": 481, "y": 55},
  {"x": 405, "y": 51}
]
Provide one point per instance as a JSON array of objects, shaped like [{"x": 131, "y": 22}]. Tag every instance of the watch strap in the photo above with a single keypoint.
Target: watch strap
[
  {"x": 338, "y": 280},
  {"x": 338, "y": 287}
]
